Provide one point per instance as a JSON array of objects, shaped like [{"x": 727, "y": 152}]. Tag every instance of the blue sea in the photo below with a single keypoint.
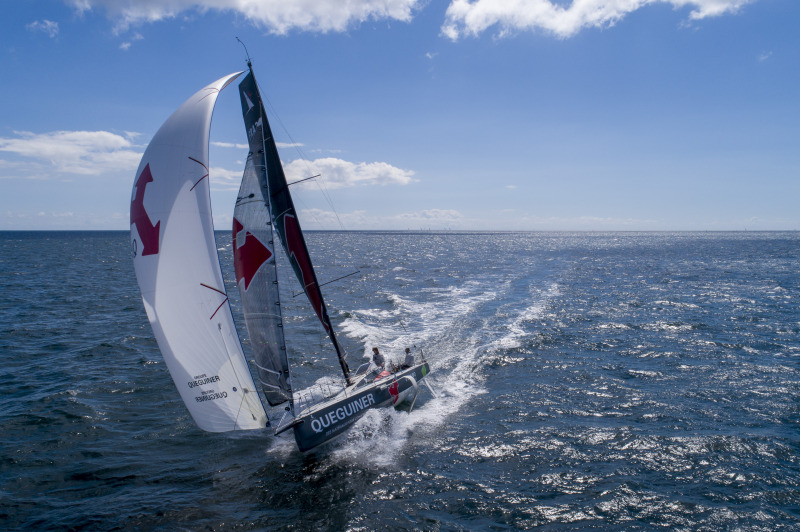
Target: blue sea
[{"x": 584, "y": 380}]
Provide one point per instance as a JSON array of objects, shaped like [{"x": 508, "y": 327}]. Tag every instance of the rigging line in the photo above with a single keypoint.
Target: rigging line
[
  {"x": 235, "y": 374},
  {"x": 267, "y": 199},
  {"x": 329, "y": 199},
  {"x": 293, "y": 183},
  {"x": 301, "y": 180},
  {"x": 278, "y": 373},
  {"x": 308, "y": 211},
  {"x": 307, "y": 162},
  {"x": 329, "y": 282},
  {"x": 296, "y": 145}
]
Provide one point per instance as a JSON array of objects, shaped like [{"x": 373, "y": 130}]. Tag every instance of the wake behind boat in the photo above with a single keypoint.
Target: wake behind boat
[{"x": 179, "y": 274}]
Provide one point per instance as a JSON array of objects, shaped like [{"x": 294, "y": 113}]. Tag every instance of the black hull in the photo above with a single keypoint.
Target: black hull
[{"x": 332, "y": 418}]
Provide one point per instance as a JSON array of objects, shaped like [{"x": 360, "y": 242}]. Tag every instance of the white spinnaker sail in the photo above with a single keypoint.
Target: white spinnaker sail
[{"x": 176, "y": 263}]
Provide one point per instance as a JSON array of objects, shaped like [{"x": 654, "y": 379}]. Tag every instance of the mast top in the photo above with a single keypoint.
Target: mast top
[{"x": 249, "y": 63}]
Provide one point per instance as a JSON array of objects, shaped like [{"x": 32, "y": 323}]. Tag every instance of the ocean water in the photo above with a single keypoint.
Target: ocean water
[{"x": 584, "y": 380}]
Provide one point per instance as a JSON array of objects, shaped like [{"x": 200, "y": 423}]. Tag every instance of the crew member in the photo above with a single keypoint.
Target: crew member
[
  {"x": 409, "y": 361},
  {"x": 377, "y": 358}
]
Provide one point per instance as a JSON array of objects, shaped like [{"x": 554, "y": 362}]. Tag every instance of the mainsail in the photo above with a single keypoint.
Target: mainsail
[
  {"x": 176, "y": 263},
  {"x": 278, "y": 200}
]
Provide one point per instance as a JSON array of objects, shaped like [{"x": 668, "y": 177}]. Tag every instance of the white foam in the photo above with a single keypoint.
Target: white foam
[
  {"x": 442, "y": 326},
  {"x": 434, "y": 325},
  {"x": 515, "y": 329}
]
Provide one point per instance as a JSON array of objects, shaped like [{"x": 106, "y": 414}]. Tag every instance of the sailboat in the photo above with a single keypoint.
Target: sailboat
[{"x": 179, "y": 274}]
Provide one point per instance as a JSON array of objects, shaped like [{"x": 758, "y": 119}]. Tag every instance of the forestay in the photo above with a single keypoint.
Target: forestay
[{"x": 176, "y": 263}]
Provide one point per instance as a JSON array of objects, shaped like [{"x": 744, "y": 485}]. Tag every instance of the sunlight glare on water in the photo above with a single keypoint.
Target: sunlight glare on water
[{"x": 642, "y": 380}]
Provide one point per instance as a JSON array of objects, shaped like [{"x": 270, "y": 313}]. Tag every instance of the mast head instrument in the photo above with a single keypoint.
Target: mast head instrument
[{"x": 249, "y": 63}]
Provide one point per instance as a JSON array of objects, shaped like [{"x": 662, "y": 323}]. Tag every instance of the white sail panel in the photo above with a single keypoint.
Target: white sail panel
[{"x": 176, "y": 263}]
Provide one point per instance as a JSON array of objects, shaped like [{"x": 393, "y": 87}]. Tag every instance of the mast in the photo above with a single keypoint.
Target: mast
[{"x": 282, "y": 211}]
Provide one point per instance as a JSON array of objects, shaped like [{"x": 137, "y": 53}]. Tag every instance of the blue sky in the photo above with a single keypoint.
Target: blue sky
[{"x": 457, "y": 114}]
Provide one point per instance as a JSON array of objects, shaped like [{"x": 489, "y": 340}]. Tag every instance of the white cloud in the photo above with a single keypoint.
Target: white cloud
[
  {"x": 321, "y": 219},
  {"x": 277, "y": 16},
  {"x": 246, "y": 146},
  {"x": 75, "y": 152},
  {"x": 338, "y": 173},
  {"x": 563, "y": 18},
  {"x": 230, "y": 145},
  {"x": 224, "y": 179},
  {"x": 46, "y": 26},
  {"x": 472, "y": 17},
  {"x": 126, "y": 45},
  {"x": 334, "y": 173}
]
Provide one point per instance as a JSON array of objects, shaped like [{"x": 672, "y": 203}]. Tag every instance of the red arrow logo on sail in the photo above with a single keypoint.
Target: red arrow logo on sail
[
  {"x": 148, "y": 233},
  {"x": 294, "y": 243},
  {"x": 249, "y": 255}
]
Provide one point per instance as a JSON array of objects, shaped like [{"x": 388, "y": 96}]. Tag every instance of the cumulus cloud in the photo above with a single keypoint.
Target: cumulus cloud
[
  {"x": 473, "y": 17},
  {"x": 75, "y": 152},
  {"x": 338, "y": 173},
  {"x": 224, "y": 179},
  {"x": 247, "y": 146},
  {"x": 230, "y": 145},
  {"x": 563, "y": 18},
  {"x": 46, "y": 26},
  {"x": 314, "y": 218},
  {"x": 277, "y": 16}
]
